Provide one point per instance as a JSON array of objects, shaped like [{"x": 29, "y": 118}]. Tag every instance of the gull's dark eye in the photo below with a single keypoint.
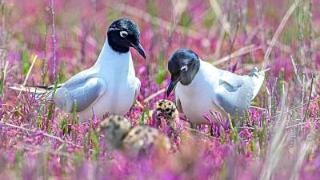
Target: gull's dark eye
[{"x": 123, "y": 34}]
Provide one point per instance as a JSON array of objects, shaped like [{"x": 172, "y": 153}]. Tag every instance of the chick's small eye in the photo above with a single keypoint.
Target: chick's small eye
[{"x": 123, "y": 34}]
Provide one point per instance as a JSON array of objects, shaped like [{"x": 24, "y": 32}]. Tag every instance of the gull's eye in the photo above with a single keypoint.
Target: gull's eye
[
  {"x": 123, "y": 34},
  {"x": 184, "y": 68}
]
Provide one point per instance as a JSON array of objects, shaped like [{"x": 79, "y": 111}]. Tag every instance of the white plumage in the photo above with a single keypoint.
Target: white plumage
[
  {"x": 215, "y": 89},
  {"x": 109, "y": 86}
]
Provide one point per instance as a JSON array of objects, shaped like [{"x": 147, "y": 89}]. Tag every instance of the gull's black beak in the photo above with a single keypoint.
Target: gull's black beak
[
  {"x": 140, "y": 49},
  {"x": 176, "y": 79},
  {"x": 171, "y": 86}
]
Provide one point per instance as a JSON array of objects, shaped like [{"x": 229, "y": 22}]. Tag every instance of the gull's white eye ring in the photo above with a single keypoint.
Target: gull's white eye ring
[
  {"x": 123, "y": 34},
  {"x": 184, "y": 68}
]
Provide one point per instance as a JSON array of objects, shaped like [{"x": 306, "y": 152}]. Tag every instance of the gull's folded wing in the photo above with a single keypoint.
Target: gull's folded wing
[
  {"x": 233, "y": 93},
  {"x": 79, "y": 94},
  {"x": 257, "y": 78}
]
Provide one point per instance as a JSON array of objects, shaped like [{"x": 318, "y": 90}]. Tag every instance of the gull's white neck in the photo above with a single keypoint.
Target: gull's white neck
[{"x": 110, "y": 61}]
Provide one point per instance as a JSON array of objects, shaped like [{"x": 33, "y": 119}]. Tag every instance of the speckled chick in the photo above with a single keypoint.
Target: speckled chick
[
  {"x": 167, "y": 110},
  {"x": 132, "y": 140},
  {"x": 115, "y": 129},
  {"x": 141, "y": 139}
]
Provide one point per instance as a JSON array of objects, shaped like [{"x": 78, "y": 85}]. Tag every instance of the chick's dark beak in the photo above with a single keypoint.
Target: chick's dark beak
[{"x": 140, "y": 49}]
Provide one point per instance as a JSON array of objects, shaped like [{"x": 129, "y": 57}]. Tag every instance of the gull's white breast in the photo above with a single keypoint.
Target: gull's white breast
[
  {"x": 118, "y": 72},
  {"x": 196, "y": 98}
]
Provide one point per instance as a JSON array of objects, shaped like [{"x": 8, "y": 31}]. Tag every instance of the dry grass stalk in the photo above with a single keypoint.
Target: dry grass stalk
[
  {"x": 223, "y": 20},
  {"x": 277, "y": 143},
  {"x": 279, "y": 30},
  {"x": 306, "y": 147},
  {"x": 28, "y": 73},
  {"x": 240, "y": 52}
]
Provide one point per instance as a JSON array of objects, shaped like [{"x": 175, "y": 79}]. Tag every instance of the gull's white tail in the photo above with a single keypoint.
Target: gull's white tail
[{"x": 257, "y": 79}]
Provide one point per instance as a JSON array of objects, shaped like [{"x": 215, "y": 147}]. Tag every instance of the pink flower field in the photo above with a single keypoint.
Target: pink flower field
[{"x": 44, "y": 42}]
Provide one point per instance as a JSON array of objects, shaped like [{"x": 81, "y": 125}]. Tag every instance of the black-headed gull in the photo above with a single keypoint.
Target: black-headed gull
[
  {"x": 110, "y": 85},
  {"x": 201, "y": 87}
]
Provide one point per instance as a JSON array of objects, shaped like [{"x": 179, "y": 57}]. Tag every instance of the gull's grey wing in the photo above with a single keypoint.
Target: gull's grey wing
[
  {"x": 80, "y": 94},
  {"x": 257, "y": 78},
  {"x": 74, "y": 81},
  {"x": 230, "y": 80},
  {"x": 233, "y": 94},
  {"x": 78, "y": 79}
]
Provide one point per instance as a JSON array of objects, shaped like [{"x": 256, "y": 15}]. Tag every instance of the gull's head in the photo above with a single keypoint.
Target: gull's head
[
  {"x": 115, "y": 128},
  {"x": 123, "y": 34},
  {"x": 183, "y": 67}
]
